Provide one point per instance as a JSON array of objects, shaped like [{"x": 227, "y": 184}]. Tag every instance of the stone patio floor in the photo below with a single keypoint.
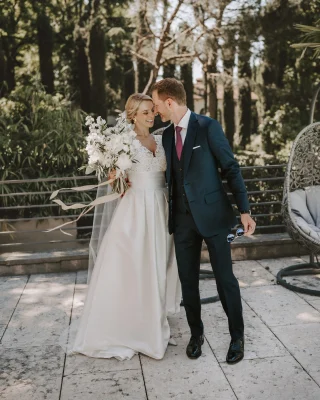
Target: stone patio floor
[{"x": 282, "y": 351}]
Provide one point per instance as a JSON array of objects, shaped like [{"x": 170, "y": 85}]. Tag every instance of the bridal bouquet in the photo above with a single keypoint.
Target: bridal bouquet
[{"x": 110, "y": 150}]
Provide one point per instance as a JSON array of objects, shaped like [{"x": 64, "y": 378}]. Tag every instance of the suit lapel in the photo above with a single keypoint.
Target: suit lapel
[
  {"x": 168, "y": 136},
  {"x": 189, "y": 141}
]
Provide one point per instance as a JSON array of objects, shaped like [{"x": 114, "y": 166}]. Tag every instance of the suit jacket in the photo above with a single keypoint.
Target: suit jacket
[{"x": 206, "y": 150}]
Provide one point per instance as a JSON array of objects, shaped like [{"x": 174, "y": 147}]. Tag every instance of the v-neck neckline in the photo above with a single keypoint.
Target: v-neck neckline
[{"x": 150, "y": 151}]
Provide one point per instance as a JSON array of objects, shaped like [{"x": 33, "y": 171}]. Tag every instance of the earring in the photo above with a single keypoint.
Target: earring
[{"x": 134, "y": 120}]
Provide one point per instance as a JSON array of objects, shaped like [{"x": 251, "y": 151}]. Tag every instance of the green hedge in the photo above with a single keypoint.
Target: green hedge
[{"x": 41, "y": 136}]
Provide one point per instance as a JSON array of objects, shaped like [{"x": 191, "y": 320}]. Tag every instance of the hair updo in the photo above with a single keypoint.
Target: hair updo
[{"x": 133, "y": 104}]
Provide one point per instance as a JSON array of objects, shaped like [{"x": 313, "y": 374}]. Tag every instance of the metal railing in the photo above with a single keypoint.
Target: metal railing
[{"x": 21, "y": 202}]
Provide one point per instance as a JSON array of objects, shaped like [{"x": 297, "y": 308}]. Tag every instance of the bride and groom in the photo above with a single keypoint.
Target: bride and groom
[{"x": 140, "y": 267}]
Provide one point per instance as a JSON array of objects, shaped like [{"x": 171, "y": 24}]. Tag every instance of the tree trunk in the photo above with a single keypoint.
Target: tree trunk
[
  {"x": 229, "y": 114},
  {"x": 45, "y": 43},
  {"x": 3, "y": 83},
  {"x": 229, "y": 109},
  {"x": 128, "y": 81},
  {"x": 211, "y": 76},
  {"x": 97, "y": 62},
  {"x": 228, "y": 54},
  {"x": 205, "y": 92},
  {"x": 9, "y": 55},
  {"x": 83, "y": 73},
  {"x": 212, "y": 86},
  {"x": 245, "y": 74},
  {"x": 213, "y": 99},
  {"x": 245, "y": 113},
  {"x": 10, "y": 72},
  {"x": 187, "y": 80},
  {"x": 169, "y": 71},
  {"x": 143, "y": 70}
]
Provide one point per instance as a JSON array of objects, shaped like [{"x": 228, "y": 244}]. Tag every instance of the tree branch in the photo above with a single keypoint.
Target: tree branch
[
  {"x": 149, "y": 27},
  {"x": 175, "y": 38},
  {"x": 184, "y": 55},
  {"x": 142, "y": 39},
  {"x": 166, "y": 30},
  {"x": 165, "y": 33},
  {"x": 141, "y": 57}
]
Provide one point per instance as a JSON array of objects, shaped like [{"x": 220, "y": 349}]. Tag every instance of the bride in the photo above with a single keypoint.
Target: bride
[{"x": 134, "y": 284}]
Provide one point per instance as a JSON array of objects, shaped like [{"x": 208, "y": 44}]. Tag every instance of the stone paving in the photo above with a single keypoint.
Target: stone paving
[{"x": 282, "y": 357}]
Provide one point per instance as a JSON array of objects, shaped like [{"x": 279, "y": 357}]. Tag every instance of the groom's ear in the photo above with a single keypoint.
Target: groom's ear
[{"x": 169, "y": 102}]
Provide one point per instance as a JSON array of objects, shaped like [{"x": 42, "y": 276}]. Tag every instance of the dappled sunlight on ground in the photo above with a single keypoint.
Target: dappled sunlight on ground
[
  {"x": 35, "y": 313},
  {"x": 306, "y": 317}
]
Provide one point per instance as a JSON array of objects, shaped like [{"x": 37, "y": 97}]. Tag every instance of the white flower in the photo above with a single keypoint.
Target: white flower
[
  {"x": 124, "y": 162},
  {"x": 116, "y": 144},
  {"x": 101, "y": 121},
  {"x": 127, "y": 139},
  {"x": 89, "y": 120},
  {"x": 110, "y": 148},
  {"x": 108, "y": 131},
  {"x": 106, "y": 161},
  {"x": 94, "y": 157}
]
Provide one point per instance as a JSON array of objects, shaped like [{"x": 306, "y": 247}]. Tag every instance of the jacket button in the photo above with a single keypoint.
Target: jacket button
[{"x": 180, "y": 169}]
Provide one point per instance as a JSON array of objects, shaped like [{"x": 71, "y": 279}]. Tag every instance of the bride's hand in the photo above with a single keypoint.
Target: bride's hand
[
  {"x": 129, "y": 185},
  {"x": 128, "y": 182},
  {"x": 112, "y": 175}
]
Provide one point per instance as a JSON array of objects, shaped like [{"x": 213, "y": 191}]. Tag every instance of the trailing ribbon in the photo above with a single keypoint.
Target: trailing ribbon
[{"x": 87, "y": 207}]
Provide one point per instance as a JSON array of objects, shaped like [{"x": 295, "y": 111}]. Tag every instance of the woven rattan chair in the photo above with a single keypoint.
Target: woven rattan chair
[{"x": 302, "y": 185}]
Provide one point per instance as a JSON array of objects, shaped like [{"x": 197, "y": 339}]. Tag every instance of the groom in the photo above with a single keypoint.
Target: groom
[{"x": 199, "y": 209}]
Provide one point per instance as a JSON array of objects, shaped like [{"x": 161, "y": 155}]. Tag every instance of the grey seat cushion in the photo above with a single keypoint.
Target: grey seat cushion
[{"x": 305, "y": 209}]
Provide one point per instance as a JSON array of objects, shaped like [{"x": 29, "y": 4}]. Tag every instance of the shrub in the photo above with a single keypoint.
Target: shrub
[{"x": 41, "y": 136}]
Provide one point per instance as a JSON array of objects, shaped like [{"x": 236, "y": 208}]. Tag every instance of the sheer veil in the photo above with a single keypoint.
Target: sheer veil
[{"x": 103, "y": 214}]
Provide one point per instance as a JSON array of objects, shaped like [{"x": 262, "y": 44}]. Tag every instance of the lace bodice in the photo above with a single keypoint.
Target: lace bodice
[{"x": 146, "y": 161}]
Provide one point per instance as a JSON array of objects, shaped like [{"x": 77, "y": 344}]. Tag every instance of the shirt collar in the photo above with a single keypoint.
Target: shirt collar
[{"x": 184, "y": 122}]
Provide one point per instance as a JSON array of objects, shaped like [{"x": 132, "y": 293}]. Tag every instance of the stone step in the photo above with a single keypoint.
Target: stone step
[{"x": 55, "y": 261}]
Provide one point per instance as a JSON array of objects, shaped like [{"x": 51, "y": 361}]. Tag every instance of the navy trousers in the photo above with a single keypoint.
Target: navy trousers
[{"x": 188, "y": 243}]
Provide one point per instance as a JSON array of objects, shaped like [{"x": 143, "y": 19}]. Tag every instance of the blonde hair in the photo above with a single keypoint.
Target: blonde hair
[{"x": 133, "y": 104}]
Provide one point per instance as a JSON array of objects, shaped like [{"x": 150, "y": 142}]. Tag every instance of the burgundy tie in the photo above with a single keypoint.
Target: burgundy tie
[{"x": 179, "y": 144}]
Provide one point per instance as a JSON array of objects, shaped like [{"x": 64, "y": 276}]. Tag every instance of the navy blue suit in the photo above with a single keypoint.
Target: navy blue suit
[{"x": 199, "y": 209}]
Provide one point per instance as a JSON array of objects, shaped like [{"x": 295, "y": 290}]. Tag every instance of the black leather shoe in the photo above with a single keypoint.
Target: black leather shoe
[
  {"x": 194, "y": 347},
  {"x": 236, "y": 351}
]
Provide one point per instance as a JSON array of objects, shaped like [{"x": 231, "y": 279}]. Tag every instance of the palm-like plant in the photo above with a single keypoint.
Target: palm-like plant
[{"x": 311, "y": 38}]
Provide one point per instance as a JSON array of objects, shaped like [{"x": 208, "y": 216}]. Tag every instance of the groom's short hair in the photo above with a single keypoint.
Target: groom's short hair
[{"x": 171, "y": 88}]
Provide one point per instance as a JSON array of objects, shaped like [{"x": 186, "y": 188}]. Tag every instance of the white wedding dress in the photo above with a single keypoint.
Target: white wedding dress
[{"x": 134, "y": 284}]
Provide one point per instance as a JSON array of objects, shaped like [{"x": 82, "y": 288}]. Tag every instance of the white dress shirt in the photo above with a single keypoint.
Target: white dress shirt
[{"x": 184, "y": 122}]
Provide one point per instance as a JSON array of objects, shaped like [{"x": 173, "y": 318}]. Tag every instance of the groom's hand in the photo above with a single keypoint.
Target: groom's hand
[{"x": 248, "y": 224}]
